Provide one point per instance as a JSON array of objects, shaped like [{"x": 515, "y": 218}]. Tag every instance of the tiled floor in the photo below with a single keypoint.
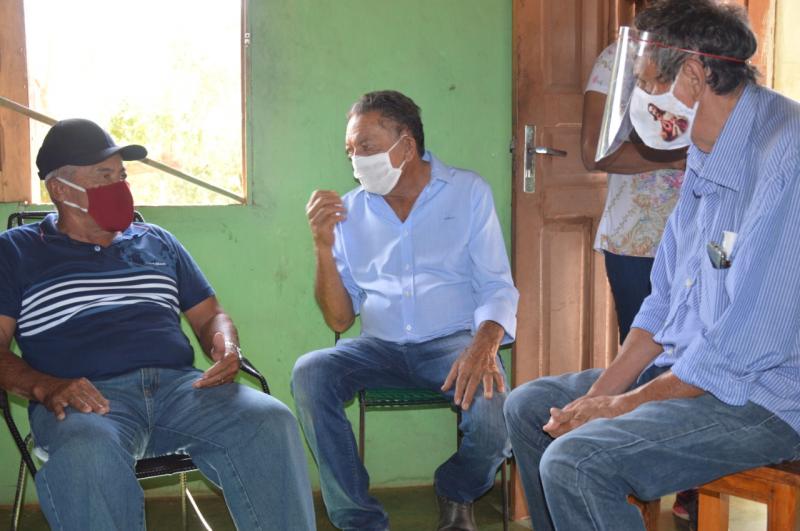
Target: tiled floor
[{"x": 411, "y": 509}]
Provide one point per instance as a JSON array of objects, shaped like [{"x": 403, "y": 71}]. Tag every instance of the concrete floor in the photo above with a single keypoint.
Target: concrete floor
[{"x": 410, "y": 509}]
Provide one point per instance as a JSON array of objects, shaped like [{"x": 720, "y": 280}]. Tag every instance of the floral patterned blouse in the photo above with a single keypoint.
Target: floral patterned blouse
[{"x": 637, "y": 206}]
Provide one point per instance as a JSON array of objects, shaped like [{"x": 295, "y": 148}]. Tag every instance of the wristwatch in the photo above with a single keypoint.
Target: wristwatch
[{"x": 230, "y": 346}]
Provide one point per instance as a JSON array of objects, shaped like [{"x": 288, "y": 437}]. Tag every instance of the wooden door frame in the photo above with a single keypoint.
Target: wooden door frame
[
  {"x": 529, "y": 307},
  {"x": 762, "y": 15},
  {"x": 15, "y": 136}
]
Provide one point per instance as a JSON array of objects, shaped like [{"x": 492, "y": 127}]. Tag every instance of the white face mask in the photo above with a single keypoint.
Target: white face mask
[
  {"x": 662, "y": 121},
  {"x": 376, "y": 173}
]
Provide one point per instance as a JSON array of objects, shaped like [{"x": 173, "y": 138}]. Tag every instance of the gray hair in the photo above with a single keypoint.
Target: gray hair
[
  {"x": 706, "y": 27},
  {"x": 395, "y": 107},
  {"x": 65, "y": 172}
]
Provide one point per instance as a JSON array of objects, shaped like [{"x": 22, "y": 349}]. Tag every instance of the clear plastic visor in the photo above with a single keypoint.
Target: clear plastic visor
[{"x": 630, "y": 61}]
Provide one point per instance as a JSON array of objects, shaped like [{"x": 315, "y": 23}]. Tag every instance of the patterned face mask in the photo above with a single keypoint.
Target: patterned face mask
[{"x": 662, "y": 121}]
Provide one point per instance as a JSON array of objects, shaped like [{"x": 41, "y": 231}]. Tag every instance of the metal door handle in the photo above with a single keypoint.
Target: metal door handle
[
  {"x": 529, "y": 164},
  {"x": 541, "y": 150}
]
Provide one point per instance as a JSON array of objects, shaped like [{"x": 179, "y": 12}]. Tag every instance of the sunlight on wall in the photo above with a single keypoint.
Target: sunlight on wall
[{"x": 787, "y": 42}]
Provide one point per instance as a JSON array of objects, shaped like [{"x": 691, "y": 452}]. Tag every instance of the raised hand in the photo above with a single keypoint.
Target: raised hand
[{"x": 324, "y": 211}]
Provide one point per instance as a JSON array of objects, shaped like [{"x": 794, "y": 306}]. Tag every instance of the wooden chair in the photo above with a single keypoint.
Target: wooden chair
[
  {"x": 778, "y": 486},
  {"x": 650, "y": 511}
]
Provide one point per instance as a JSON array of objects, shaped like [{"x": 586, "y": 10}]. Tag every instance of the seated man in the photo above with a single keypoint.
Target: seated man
[
  {"x": 417, "y": 251},
  {"x": 706, "y": 384},
  {"x": 94, "y": 302}
]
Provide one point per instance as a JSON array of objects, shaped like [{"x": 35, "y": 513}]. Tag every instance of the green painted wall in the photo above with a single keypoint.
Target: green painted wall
[{"x": 310, "y": 60}]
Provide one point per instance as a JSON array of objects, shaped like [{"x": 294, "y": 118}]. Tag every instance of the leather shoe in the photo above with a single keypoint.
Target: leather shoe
[{"x": 455, "y": 516}]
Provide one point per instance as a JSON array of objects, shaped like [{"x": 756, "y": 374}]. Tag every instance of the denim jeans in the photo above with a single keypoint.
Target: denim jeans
[
  {"x": 581, "y": 480},
  {"x": 242, "y": 440},
  {"x": 324, "y": 380}
]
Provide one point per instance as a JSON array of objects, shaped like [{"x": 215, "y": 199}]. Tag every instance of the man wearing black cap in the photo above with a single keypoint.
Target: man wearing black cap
[{"x": 94, "y": 303}]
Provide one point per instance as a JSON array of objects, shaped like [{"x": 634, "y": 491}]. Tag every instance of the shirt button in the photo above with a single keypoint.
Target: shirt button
[
  {"x": 407, "y": 293},
  {"x": 408, "y": 328},
  {"x": 688, "y": 282},
  {"x": 408, "y": 267},
  {"x": 97, "y": 248},
  {"x": 405, "y": 233}
]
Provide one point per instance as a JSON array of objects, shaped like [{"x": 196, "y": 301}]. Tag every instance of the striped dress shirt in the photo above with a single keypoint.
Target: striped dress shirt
[{"x": 735, "y": 332}]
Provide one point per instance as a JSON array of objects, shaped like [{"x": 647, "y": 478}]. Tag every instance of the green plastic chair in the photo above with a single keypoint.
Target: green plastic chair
[{"x": 383, "y": 398}]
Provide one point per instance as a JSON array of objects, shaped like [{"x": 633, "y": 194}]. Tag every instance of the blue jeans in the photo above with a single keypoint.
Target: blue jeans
[
  {"x": 629, "y": 277},
  {"x": 242, "y": 440},
  {"x": 581, "y": 480},
  {"x": 324, "y": 380}
]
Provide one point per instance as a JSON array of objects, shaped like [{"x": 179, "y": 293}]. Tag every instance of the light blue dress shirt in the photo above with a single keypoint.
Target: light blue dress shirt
[
  {"x": 443, "y": 270},
  {"x": 735, "y": 332}
]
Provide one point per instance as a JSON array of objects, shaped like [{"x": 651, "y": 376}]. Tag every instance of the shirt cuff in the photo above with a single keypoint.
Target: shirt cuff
[
  {"x": 648, "y": 322},
  {"x": 501, "y": 314},
  {"x": 356, "y": 300}
]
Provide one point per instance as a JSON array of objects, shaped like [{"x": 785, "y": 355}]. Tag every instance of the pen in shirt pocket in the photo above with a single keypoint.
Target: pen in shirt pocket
[{"x": 721, "y": 254}]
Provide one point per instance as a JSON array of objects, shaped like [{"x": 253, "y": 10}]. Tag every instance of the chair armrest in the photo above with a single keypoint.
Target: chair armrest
[
  {"x": 250, "y": 369},
  {"x": 5, "y": 406}
]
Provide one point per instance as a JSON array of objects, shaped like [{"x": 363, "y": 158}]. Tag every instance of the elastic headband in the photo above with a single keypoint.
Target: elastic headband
[{"x": 694, "y": 52}]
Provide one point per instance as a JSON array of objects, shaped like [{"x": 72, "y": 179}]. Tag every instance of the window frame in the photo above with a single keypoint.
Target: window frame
[{"x": 16, "y": 184}]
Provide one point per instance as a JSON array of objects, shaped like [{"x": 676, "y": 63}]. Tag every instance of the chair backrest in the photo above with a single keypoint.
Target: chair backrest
[{"x": 18, "y": 219}]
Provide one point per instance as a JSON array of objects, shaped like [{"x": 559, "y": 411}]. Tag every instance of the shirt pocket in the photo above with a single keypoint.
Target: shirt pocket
[{"x": 715, "y": 297}]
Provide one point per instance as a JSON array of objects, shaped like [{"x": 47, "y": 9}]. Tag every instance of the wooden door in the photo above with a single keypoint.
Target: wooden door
[
  {"x": 566, "y": 320},
  {"x": 762, "y": 19}
]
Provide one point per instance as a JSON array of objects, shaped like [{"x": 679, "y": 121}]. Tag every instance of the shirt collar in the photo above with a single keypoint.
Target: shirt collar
[
  {"x": 438, "y": 170},
  {"x": 49, "y": 228},
  {"x": 723, "y": 165}
]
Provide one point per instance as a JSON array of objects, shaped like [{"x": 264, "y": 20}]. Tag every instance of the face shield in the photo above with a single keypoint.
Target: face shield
[
  {"x": 616, "y": 126},
  {"x": 638, "y": 100}
]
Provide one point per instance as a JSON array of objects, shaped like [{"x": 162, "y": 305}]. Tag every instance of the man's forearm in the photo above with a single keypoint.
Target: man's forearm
[
  {"x": 331, "y": 295},
  {"x": 18, "y": 377},
  {"x": 491, "y": 334},
  {"x": 637, "y": 352},
  {"x": 667, "y": 386}
]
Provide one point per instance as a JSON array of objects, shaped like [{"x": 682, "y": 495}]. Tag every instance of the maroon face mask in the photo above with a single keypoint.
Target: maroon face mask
[{"x": 111, "y": 206}]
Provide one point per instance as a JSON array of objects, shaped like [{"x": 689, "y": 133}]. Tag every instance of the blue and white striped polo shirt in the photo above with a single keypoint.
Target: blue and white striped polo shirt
[
  {"x": 85, "y": 310},
  {"x": 735, "y": 332}
]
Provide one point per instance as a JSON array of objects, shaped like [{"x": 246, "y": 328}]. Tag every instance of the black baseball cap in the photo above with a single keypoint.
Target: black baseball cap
[{"x": 79, "y": 142}]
